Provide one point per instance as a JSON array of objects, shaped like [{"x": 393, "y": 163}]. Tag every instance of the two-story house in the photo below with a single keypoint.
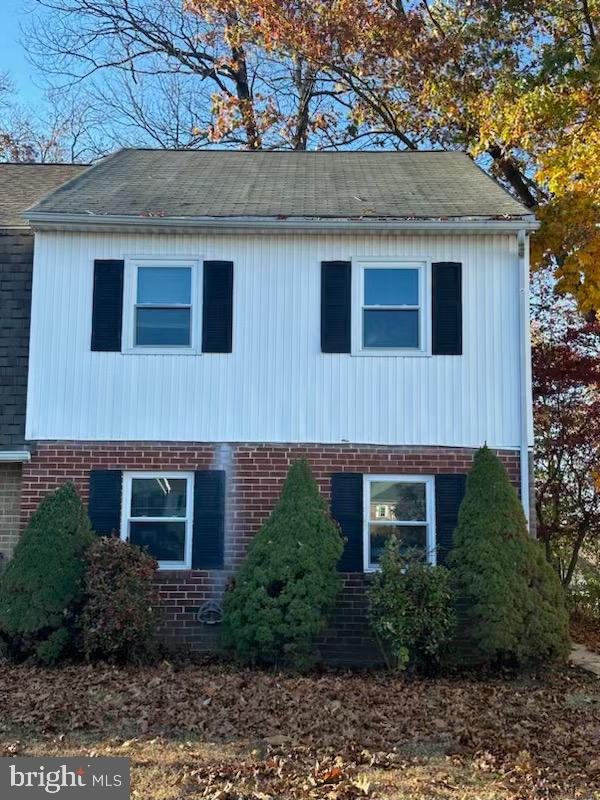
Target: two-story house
[
  {"x": 202, "y": 319},
  {"x": 20, "y": 186}
]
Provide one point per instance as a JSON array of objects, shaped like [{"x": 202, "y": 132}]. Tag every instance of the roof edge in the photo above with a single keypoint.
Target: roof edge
[{"x": 55, "y": 221}]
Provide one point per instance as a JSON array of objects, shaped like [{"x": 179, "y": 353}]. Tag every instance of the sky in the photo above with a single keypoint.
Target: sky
[{"x": 13, "y": 57}]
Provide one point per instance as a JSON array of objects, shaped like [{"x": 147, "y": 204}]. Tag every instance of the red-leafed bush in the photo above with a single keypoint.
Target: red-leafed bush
[{"x": 119, "y": 618}]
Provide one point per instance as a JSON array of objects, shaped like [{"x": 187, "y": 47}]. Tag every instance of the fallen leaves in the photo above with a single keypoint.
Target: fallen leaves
[{"x": 327, "y": 736}]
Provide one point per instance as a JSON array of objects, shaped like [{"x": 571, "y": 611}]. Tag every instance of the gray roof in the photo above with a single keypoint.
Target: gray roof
[
  {"x": 234, "y": 184},
  {"x": 24, "y": 184}
]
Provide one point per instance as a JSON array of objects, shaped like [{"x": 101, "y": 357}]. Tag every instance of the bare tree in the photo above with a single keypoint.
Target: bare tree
[{"x": 170, "y": 78}]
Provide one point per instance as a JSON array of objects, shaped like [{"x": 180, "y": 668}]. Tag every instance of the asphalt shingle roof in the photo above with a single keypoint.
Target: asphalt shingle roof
[
  {"x": 24, "y": 184},
  {"x": 213, "y": 183}
]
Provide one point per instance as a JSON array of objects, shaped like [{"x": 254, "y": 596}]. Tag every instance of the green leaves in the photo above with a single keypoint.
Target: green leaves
[
  {"x": 288, "y": 582},
  {"x": 512, "y": 607},
  {"x": 42, "y": 586},
  {"x": 411, "y": 607}
]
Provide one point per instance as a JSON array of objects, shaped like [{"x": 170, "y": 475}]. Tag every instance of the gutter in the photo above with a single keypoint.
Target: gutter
[
  {"x": 14, "y": 456},
  {"x": 51, "y": 221},
  {"x": 525, "y": 369}
]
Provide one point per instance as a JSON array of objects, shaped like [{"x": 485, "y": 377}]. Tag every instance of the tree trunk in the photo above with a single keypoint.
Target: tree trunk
[{"x": 513, "y": 175}]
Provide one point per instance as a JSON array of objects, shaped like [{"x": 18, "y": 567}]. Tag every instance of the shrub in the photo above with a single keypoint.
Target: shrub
[
  {"x": 288, "y": 581},
  {"x": 411, "y": 608},
  {"x": 512, "y": 604},
  {"x": 41, "y": 588},
  {"x": 119, "y": 619}
]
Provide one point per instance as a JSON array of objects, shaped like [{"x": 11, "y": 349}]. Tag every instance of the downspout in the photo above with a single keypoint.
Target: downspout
[{"x": 525, "y": 368}]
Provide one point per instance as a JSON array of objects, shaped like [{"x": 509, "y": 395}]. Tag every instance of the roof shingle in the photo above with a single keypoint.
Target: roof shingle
[
  {"x": 216, "y": 183},
  {"x": 24, "y": 184}
]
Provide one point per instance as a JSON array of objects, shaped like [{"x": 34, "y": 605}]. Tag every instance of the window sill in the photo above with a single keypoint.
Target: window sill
[
  {"x": 391, "y": 354},
  {"x": 161, "y": 351}
]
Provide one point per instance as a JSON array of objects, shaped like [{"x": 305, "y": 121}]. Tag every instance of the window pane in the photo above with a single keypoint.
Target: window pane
[
  {"x": 162, "y": 326},
  {"x": 163, "y": 540},
  {"x": 390, "y": 329},
  {"x": 409, "y": 537},
  {"x": 164, "y": 285},
  {"x": 398, "y": 501},
  {"x": 158, "y": 497},
  {"x": 391, "y": 287}
]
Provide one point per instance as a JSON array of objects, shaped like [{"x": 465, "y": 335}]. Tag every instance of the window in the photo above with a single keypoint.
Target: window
[
  {"x": 400, "y": 505},
  {"x": 391, "y": 316},
  {"x": 163, "y": 306},
  {"x": 163, "y": 302},
  {"x": 157, "y": 515}
]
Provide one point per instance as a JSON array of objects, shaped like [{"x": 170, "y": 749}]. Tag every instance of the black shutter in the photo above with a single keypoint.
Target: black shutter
[
  {"x": 107, "y": 305},
  {"x": 336, "y": 306},
  {"x": 217, "y": 307},
  {"x": 104, "y": 507},
  {"x": 447, "y": 308},
  {"x": 449, "y": 493},
  {"x": 347, "y": 510},
  {"x": 209, "y": 519}
]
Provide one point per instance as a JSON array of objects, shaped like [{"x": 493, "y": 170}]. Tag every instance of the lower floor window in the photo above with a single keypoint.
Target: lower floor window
[
  {"x": 157, "y": 515},
  {"x": 400, "y": 505}
]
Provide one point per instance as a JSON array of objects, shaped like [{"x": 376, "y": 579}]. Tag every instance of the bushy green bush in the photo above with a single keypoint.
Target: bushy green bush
[
  {"x": 511, "y": 601},
  {"x": 41, "y": 588},
  {"x": 119, "y": 617},
  {"x": 288, "y": 581},
  {"x": 411, "y": 608}
]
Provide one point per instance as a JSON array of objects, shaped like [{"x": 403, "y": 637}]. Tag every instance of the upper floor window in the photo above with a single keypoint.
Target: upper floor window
[
  {"x": 163, "y": 306},
  {"x": 392, "y": 315},
  {"x": 402, "y": 505},
  {"x": 163, "y": 309}
]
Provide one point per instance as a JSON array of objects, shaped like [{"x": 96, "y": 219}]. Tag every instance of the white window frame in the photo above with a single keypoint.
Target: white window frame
[
  {"x": 126, "y": 517},
  {"x": 429, "y": 481},
  {"x": 358, "y": 287},
  {"x": 132, "y": 264}
]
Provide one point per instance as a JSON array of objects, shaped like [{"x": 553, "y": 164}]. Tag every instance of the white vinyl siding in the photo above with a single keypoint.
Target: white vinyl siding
[{"x": 276, "y": 385}]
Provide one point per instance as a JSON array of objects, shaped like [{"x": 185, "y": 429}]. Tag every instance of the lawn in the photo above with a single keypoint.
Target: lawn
[{"x": 211, "y": 732}]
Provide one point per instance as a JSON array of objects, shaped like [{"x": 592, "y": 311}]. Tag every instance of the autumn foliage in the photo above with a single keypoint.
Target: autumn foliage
[
  {"x": 514, "y": 83},
  {"x": 119, "y": 617}
]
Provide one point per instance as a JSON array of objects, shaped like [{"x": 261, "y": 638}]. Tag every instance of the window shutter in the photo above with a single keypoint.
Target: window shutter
[
  {"x": 104, "y": 506},
  {"x": 217, "y": 310},
  {"x": 107, "y": 305},
  {"x": 347, "y": 510},
  {"x": 209, "y": 519},
  {"x": 447, "y": 308},
  {"x": 449, "y": 493},
  {"x": 336, "y": 306}
]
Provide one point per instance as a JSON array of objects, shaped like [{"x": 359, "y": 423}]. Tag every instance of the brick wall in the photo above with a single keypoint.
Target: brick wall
[
  {"x": 10, "y": 486},
  {"x": 16, "y": 265},
  {"x": 255, "y": 473}
]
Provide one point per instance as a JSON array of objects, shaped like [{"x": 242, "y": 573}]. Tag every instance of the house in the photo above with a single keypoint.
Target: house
[
  {"x": 202, "y": 319},
  {"x": 20, "y": 186}
]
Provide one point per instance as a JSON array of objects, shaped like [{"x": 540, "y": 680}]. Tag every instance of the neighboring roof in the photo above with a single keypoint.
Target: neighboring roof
[
  {"x": 217, "y": 184},
  {"x": 21, "y": 185}
]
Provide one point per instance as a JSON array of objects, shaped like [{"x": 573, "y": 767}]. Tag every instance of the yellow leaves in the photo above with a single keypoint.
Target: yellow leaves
[{"x": 570, "y": 239}]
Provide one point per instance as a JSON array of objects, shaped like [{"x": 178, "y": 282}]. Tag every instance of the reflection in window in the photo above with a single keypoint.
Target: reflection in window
[
  {"x": 397, "y": 507},
  {"x": 391, "y": 313},
  {"x": 163, "y": 308},
  {"x": 159, "y": 516}
]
